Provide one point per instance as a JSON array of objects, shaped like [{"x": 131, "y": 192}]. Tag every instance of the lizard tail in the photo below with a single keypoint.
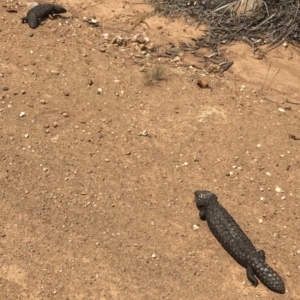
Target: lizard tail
[{"x": 268, "y": 276}]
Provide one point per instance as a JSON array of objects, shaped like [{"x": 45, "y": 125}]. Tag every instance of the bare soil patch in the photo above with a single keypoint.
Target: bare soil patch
[{"x": 98, "y": 169}]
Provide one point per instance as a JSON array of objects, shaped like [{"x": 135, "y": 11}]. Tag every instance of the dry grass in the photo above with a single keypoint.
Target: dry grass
[
  {"x": 258, "y": 23},
  {"x": 154, "y": 75}
]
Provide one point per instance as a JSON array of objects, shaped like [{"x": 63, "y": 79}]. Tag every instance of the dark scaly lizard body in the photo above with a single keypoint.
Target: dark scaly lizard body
[
  {"x": 236, "y": 243},
  {"x": 41, "y": 11}
]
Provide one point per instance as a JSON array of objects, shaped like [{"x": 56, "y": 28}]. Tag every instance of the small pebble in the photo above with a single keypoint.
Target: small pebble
[
  {"x": 176, "y": 59},
  {"x": 278, "y": 189},
  {"x": 195, "y": 227},
  {"x": 31, "y": 4},
  {"x": 22, "y": 114},
  {"x": 153, "y": 255},
  {"x": 54, "y": 72},
  {"x": 105, "y": 36},
  {"x": 143, "y": 133},
  {"x": 5, "y": 88},
  {"x": 99, "y": 91},
  {"x": 203, "y": 83}
]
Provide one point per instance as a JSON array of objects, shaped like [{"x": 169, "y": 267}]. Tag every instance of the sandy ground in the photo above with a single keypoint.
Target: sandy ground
[{"x": 98, "y": 169}]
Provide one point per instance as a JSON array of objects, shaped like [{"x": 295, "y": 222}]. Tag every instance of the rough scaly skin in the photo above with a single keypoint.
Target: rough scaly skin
[
  {"x": 41, "y": 11},
  {"x": 236, "y": 243}
]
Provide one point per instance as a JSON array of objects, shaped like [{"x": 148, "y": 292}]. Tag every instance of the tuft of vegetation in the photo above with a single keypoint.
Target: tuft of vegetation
[
  {"x": 154, "y": 75},
  {"x": 157, "y": 7}
]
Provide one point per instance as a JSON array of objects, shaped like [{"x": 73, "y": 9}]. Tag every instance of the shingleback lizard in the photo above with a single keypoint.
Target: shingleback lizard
[
  {"x": 236, "y": 243},
  {"x": 41, "y": 11}
]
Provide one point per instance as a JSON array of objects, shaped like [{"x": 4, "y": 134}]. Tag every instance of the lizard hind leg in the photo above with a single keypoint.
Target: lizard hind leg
[
  {"x": 202, "y": 215},
  {"x": 250, "y": 275}
]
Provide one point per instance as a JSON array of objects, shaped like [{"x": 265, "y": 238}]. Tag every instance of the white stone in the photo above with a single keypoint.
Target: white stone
[{"x": 195, "y": 227}]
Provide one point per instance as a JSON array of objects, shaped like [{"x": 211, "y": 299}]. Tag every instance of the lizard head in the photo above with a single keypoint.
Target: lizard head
[{"x": 204, "y": 198}]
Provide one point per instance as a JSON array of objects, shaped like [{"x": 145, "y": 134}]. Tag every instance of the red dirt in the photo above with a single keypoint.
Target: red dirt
[{"x": 93, "y": 209}]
